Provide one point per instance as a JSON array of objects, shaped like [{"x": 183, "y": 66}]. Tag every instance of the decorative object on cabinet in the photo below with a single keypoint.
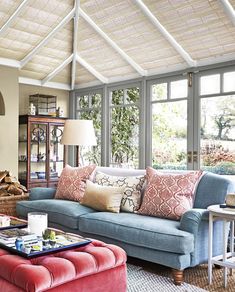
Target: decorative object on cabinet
[
  {"x": 2, "y": 105},
  {"x": 32, "y": 109},
  {"x": 41, "y": 156},
  {"x": 45, "y": 104},
  {"x": 79, "y": 133}
]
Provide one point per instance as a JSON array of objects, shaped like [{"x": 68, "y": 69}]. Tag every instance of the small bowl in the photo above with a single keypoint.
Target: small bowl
[{"x": 52, "y": 243}]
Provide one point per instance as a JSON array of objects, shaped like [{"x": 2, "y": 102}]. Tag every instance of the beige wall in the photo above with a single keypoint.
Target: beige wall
[
  {"x": 9, "y": 123},
  {"x": 26, "y": 90},
  {"x": 16, "y": 99}
]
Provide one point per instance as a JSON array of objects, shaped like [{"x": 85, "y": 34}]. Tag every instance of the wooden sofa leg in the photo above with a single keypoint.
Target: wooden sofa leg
[{"x": 178, "y": 276}]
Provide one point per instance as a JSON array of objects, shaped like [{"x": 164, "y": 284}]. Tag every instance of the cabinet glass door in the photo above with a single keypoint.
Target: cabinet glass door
[
  {"x": 56, "y": 159},
  {"x": 38, "y": 151},
  {"x": 23, "y": 153}
]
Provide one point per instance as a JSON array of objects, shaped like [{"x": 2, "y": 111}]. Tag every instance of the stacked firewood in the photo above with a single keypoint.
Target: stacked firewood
[{"x": 9, "y": 185}]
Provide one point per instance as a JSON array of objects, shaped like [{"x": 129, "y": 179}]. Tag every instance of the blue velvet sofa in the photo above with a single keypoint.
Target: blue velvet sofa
[{"x": 176, "y": 244}]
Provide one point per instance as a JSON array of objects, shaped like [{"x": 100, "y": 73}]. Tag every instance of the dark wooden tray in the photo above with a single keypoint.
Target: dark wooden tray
[{"x": 33, "y": 254}]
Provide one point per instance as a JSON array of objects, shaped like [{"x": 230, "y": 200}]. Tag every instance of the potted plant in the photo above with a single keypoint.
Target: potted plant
[
  {"x": 46, "y": 237},
  {"x": 52, "y": 238}
]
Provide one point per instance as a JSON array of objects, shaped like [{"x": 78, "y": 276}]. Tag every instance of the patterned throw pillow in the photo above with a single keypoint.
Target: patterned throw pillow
[
  {"x": 72, "y": 182},
  {"x": 132, "y": 188},
  {"x": 169, "y": 195}
]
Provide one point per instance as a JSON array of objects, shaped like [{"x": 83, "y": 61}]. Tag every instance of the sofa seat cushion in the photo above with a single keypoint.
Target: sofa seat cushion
[
  {"x": 145, "y": 231},
  {"x": 62, "y": 211}
]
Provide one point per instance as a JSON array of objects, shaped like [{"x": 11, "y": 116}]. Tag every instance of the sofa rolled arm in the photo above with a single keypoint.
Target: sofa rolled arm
[
  {"x": 191, "y": 220},
  {"x": 41, "y": 194}
]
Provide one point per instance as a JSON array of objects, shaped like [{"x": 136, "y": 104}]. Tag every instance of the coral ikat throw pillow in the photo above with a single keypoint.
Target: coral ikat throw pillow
[
  {"x": 169, "y": 195},
  {"x": 72, "y": 182}
]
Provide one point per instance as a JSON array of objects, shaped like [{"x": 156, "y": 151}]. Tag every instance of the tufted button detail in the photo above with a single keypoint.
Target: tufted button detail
[{"x": 46, "y": 272}]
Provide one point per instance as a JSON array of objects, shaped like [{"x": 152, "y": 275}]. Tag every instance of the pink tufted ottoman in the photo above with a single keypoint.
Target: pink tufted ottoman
[{"x": 97, "y": 267}]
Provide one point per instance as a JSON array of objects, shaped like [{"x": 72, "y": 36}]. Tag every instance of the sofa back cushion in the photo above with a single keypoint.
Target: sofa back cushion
[
  {"x": 102, "y": 198},
  {"x": 132, "y": 185},
  {"x": 169, "y": 195},
  {"x": 115, "y": 171},
  {"x": 72, "y": 182},
  {"x": 212, "y": 190}
]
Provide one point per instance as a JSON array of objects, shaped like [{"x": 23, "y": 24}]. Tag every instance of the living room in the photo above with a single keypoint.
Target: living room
[{"x": 157, "y": 80}]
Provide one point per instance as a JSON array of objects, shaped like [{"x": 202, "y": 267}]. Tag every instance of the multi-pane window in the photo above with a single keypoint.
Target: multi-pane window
[
  {"x": 89, "y": 108},
  {"x": 169, "y": 124},
  {"x": 217, "y": 132},
  {"x": 124, "y": 127}
]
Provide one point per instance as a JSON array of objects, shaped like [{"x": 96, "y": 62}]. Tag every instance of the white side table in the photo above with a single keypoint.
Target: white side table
[{"x": 227, "y": 259}]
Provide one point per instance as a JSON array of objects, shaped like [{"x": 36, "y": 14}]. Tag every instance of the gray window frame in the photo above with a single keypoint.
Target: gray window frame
[{"x": 145, "y": 108}]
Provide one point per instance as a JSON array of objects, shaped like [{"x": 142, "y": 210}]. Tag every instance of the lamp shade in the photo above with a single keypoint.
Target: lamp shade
[{"x": 79, "y": 132}]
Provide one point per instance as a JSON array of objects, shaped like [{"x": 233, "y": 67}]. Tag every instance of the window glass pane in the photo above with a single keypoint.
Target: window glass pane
[
  {"x": 229, "y": 81},
  {"x": 117, "y": 97},
  {"x": 169, "y": 135},
  {"x": 83, "y": 101},
  {"x": 96, "y": 100},
  {"x": 132, "y": 95},
  {"x": 159, "y": 91},
  {"x": 124, "y": 130},
  {"x": 210, "y": 84},
  {"x": 218, "y": 134},
  {"x": 91, "y": 154},
  {"x": 179, "y": 88}
]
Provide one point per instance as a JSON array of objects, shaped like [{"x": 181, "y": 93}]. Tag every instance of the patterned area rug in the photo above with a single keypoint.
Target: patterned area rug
[
  {"x": 144, "y": 276},
  {"x": 140, "y": 280}
]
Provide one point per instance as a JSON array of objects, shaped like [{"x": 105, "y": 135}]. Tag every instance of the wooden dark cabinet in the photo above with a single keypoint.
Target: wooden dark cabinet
[{"x": 41, "y": 156}]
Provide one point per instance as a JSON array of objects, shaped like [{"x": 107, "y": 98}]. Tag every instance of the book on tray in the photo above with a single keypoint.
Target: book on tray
[{"x": 9, "y": 236}]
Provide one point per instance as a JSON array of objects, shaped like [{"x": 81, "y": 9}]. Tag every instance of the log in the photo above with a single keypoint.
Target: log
[
  {"x": 3, "y": 193},
  {"x": 4, "y": 186},
  {"x": 14, "y": 190},
  {"x": 3, "y": 174},
  {"x": 10, "y": 179}
]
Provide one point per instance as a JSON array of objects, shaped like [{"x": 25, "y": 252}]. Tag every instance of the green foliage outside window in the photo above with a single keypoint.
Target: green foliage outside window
[
  {"x": 125, "y": 127},
  {"x": 89, "y": 108}
]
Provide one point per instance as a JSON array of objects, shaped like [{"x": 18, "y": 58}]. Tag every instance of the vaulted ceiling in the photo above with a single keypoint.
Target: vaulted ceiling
[{"x": 70, "y": 43}]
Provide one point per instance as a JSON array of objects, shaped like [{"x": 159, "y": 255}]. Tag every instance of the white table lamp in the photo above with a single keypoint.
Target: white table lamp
[{"x": 79, "y": 133}]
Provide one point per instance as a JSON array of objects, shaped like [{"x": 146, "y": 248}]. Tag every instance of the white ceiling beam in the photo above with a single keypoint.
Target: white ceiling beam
[
  {"x": 166, "y": 34},
  {"x": 13, "y": 17},
  {"x": 126, "y": 57},
  {"x": 35, "y": 82},
  {"x": 91, "y": 69},
  {"x": 75, "y": 42},
  {"x": 228, "y": 8},
  {"x": 64, "y": 21},
  {"x": 9, "y": 62},
  {"x": 58, "y": 69}
]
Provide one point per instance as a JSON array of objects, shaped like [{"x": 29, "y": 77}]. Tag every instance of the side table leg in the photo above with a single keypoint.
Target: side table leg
[
  {"x": 232, "y": 242},
  {"x": 224, "y": 251},
  {"x": 210, "y": 244}
]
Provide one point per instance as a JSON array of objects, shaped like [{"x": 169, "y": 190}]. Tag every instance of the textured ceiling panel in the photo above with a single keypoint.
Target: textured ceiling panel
[
  {"x": 34, "y": 23},
  {"x": 8, "y": 7},
  {"x": 54, "y": 53},
  {"x": 201, "y": 27},
  {"x": 96, "y": 51},
  {"x": 83, "y": 76},
  {"x": 126, "y": 24},
  {"x": 64, "y": 76}
]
